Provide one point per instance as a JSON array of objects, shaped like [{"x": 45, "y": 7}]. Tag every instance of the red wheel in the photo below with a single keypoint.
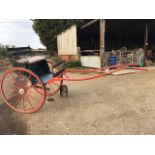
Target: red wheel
[
  {"x": 54, "y": 87},
  {"x": 19, "y": 89},
  {"x": 50, "y": 64}
]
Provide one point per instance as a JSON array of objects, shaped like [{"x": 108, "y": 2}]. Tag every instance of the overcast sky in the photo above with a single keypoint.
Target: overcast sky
[{"x": 18, "y": 33}]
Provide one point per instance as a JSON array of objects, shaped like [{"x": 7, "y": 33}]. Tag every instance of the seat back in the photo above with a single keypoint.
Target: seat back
[{"x": 40, "y": 68}]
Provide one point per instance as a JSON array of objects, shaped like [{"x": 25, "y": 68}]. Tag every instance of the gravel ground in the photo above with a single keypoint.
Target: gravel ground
[{"x": 123, "y": 104}]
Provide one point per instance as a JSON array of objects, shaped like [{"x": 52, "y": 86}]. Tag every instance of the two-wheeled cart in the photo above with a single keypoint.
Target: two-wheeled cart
[{"x": 25, "y": 86}]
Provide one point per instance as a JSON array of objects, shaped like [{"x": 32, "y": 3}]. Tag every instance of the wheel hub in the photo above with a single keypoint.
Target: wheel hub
[{"x": 21, "y": 91}]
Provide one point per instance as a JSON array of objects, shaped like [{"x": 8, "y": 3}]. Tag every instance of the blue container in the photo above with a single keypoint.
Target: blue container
[{"x": 113, "y": 60}]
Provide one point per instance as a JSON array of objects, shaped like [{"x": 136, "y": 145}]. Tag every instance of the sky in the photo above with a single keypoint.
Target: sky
[{"x": 18, "y": 32}]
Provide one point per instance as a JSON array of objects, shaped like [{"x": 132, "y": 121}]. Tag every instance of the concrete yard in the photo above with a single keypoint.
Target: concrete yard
[{"x": 123, "y": 104}]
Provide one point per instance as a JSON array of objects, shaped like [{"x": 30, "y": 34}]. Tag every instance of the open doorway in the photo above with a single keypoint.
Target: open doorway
[
  {"x": 125, "y": 39},
  {"x": 89, "y": 42}
]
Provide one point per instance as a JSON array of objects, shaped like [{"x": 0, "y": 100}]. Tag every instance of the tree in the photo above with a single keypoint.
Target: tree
[
  {"x": 48, "y": 29},
  {"x": 3, "y": 50}
]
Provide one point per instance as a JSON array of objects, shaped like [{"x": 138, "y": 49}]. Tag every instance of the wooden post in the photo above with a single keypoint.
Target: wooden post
[
  {"x": 102, "y": 40},
  {"x": 146, "y": 39},
  {"x": 146, "y": 34},
  {"x": 145, "y": 44}
]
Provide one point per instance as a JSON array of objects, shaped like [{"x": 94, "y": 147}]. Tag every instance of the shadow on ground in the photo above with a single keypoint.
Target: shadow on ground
[
  {"x": 10, "y": 124},
  {"x": 10, "y": 121}
]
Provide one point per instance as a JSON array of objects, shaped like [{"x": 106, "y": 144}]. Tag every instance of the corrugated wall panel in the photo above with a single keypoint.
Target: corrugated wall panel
[{"x": 67, "y": 42}]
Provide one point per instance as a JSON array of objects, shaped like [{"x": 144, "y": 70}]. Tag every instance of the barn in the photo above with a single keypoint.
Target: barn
[{"x": 105, "y": 42}]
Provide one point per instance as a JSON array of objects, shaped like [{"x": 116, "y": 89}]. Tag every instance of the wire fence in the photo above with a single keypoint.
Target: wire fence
[{"x": 124, "y": 56}]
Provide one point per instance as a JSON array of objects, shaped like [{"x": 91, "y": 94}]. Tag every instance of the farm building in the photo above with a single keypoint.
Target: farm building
[{"x": 107, "y": 42}]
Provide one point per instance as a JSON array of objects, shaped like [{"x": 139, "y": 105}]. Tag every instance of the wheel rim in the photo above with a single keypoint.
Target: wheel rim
[
  {"x": 19, "y": 89},
  {"x": 54, "y": 87}
]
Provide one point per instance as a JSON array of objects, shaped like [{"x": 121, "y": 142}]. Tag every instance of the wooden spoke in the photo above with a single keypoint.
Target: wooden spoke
[
  {"x": 15, "y": 80},
  {"x": 29, "y": 101},
  {"x": 9, "y": 83},
  {"x": 23, "y": 102},
  {"x": 56, "y": 84},
  {"x": 36, "y": 99},
  {"x": 52, "y": 88},
  {"x": 17, "y": 101},
  {"x": 12, "y": 96},
  {"x": 28, "y": 79}
]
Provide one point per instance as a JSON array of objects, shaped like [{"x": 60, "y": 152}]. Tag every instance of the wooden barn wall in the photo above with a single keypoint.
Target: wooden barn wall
[{"x": 67, "y": 42}]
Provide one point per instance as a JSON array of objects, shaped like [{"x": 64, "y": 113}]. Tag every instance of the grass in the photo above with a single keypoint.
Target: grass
[
  {"x": 53, "y": 58},
  {"x": 69, "y": 64},
  {"x": 72, "y": 64}
]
